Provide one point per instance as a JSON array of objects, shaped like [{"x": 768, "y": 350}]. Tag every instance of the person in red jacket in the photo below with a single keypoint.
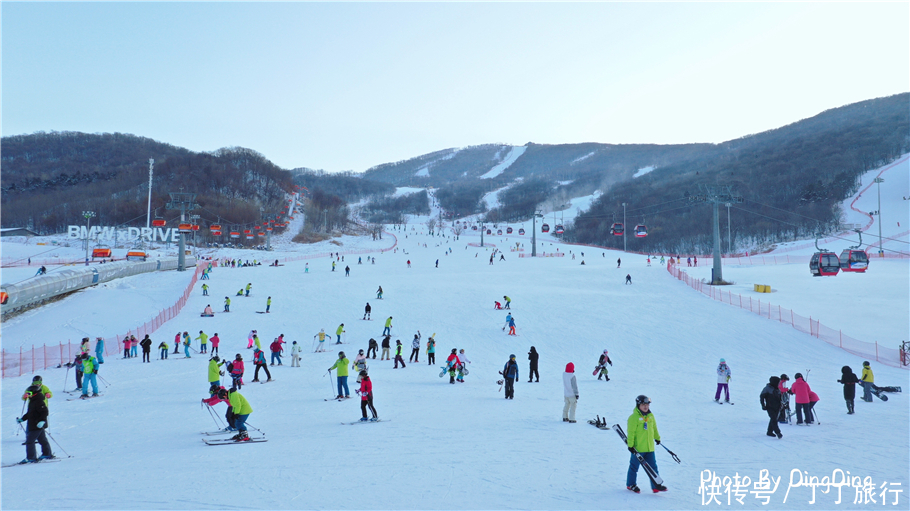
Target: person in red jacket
[
  {"x": 366, "y": 397},
  {"x": 237, "y": 371},
  {"x": 801, "y": 392},
  {"x": 260, "y": 363},
  {"x": 215, "y": 340},
  {"x": 221, "y": 396},
  {"x": 452, "y": 363}
]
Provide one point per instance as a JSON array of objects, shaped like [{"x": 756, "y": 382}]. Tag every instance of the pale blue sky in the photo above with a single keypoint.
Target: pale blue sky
[{"x": 345, "y": 86}]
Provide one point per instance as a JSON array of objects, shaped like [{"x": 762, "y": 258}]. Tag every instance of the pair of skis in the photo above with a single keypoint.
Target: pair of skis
[{"x": 655, "y": 478}]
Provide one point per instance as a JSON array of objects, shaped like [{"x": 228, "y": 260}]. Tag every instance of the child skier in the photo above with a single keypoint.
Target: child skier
[
  {"x": 321, "y": 337},
  {"x": 236, "y": 370},
  {"x": 360, "y": 364}
]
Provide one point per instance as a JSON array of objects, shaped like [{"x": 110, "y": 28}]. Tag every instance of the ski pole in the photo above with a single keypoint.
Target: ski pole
[
  {"x": 106, "y": 383},
  {"x": 66, "y": 378},
  {"x": 330, "y": 382},
  {"x": 675, "y": 457},
  {"x": 58, "y": 444}
]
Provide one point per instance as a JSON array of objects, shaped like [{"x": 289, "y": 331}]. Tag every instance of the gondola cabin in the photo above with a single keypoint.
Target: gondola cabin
[
  {"x": 854, "y": 260},
  {"x": 559, "y": 229},
  {"x": 641, "y": 231},
  {"x": 508, "y": 230},
  {"x": 473, "y": 227},
  {"x": 215, "y": 227},
  {"x": 521, "y": 231},
  {"x": 617, "y": 229},
  {"x": 136, "y": 255},
  {"x": 101, "y": 252},
  {"x": 499, "y": 232},
  {"x": 824, "y": 264},
  {"x": 545, "y": 228},
  {"x": 489, "y": 231}
]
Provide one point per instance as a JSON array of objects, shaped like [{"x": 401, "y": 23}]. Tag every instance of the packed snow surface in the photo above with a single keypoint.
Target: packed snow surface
[{"x": 500, "y": 167}]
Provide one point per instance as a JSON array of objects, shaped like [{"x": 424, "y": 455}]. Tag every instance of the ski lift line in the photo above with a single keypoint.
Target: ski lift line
[
  {"x": 687, "y": 206},
  {"x": 642, "y": 208},
  {"x": 783, "y": 210}
]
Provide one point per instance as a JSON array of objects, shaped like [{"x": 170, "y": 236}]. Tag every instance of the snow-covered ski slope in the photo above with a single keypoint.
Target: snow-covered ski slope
[{"x": 460, "y": 446}]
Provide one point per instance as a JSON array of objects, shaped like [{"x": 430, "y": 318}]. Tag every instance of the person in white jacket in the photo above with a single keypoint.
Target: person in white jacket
[
  {"x": 295, "y": 354},
  {"x": 415, "y": 348},
  {"x": 570, "y": 391},
  {"x": 249, "y": 338},
  {"x": 462, "y": 368},
  {"x": 359, "y": 364}
]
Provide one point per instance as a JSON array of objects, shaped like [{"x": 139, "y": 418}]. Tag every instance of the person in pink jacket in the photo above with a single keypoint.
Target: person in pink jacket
[
  {"x": 126, "y": 347},
  {"x": 215, "y": 341},
  {"x": 221, "y": 396},
  {"x": 237, "y": 371},
  {"x": 801, "y": 392},
  {"x": 813, "y": 398}
]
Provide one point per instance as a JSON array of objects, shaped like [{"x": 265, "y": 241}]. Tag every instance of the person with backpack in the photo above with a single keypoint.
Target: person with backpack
[
  {"x": 366, "y": 396},
  {"x": 771, "y": 403},
  {"x": 642, "y": 434},
  {"x": 849, "y": 380},
  {"x": 510, "y": 372},
  {"x": 385, "y": 347},
  {"x": 342, "y": 366},
  {"x": 36, "y": 422},
  {"x": 235, "y": 368},
  {"x": 533, "y": 357},
  {"x": 801, "y": 391},
  {"x": 146, "y": 344},
  {"x": 398, "y": 358},
  {"x": 868, "y": 381},
  {"x": 570, "y": 393},
  {"x": 723, "y": 381},
  {"x": 215, "y": 373},
  {"x": 415, "y": 348},
  {"x": 260, "y": 363},
  {"x": 90, "y": 375},
  {"x": 602, "y": 365}
]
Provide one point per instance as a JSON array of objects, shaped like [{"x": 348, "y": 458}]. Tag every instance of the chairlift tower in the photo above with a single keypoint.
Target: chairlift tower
[
  {"x": 716, "y": 196},
  {"x": 184, "y": 202}
]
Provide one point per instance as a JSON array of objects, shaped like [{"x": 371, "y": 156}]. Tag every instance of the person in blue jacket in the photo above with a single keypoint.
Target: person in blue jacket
[
  {"x": 99, "y": 349},
  {"x": 510, "y": 372}
]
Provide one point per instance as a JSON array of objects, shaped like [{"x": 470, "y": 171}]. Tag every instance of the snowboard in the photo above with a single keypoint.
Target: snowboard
[
  {"x": 207, "y": 315},
  {"x": 596, "y": 370},
  {"x": 879, "y": 394}
]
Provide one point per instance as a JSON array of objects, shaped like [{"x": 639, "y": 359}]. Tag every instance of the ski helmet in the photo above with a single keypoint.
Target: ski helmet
[
  {"x": 784, "y": 377},
  {"x": 642, "y": 399},
  {"x": 363, "y": 373},
  {"x": 865, "y": 363},
  {"x": 360, "y": 352},
  {"x": 454, "y": 350},
  {"x": 340, "y": 354},
  {"x": 238, "y": 357},
  {"x": 216, "y": 359},
  {"x": 512, "y": 356},
  {"x": 798, "y": 375},
  {"x": 36, "y": 379}
]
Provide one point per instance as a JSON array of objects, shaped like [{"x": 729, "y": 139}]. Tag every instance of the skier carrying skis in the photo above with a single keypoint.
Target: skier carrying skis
[
  {"x": 849, "y": 379},
  {"x": 36, "y": 415},
  {"x": 415, "y": 348},
  {"x": 510, "y": 372},
  {"x": 366, "y": 396},
  {"x": 642, "y": 435},
  {"x": 771, "y": 402},
  {"x": 342, "y": 365},
  {"x": 366, "y": 311},
  {"x": 533, "y": 356},
  {"x": 723, "y": 381},
  {"x": 602, "y": 366}
]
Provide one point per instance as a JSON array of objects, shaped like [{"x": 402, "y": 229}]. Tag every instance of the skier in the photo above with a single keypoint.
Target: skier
[
  {"x": 248, "y": 286},
  {"x": 236, "y": 370},
  {"x": 46, "y": 392},
  {"x": 215, "y": 341},
  {"x": 849, "y": 379},
  {"x": 688, "y": 261},
  {"x": 84, "y": 347},
  {"x": 437, "y": 263},
  {"x": 306, "y": 269},
  {"x": 215, "y": 373},
  {"x": 241, "y": 409},
  {"x": 642, "y": 435},
  {"x": 723, "y": 381},
  {"x": 867, "y": 380},
  {"x": 256, "y": 344},
  {"x": 462, "y": 365},
  {"x": 295, "y": 354},
  {"x": 628, "y": 278},
  {"x": 385, "y": 348},
  {"x": 347, "y": 271},
  {"x": 134, "y": 346},
  {"x": 260, "y": 363},
  {"x": 338, "y": 333},
  {"x": 801, "y": 391},
  {"x": 409, "y": 263},
  {"x": 146, "y": 344},
  {"x": 379, "y": 293},
  {"x": 360, "y": 364},
  {"x": 497, "y": 306},
  {"x": 126, "y": 347},
  {"x": 431, "y": 350},
  {"x": 342, "y": 365},
  {"x": 99, "y": 349},
  {"x": 77, "y": 365},
  {"x": 366, "y": 311},
  {"x": 227, "y": 304},
  {"x": 221, "y": 395},
  {"x": 333, "y": 265},
  {"x": 276, "y": 350},
  {"x": 510, "y": 372},
  {"x": 268, "y": 305},
  {"x": 695, "y": 260},
  {"x": 618, "y": 262},
  {"x": 771, "y": 403},
  {"x": 203, "y": 342},
  {"x": 186, "y": 344},
  {"x": 90, "y": 372},
  {"x": 508, "y": 302},
  {"x": 372, "y": 347},
  {"x": 398, "y": 358},
  {"x": 163, "y": 347},
  {"x": 415, "y": 348},
  {"x": 533, "y": 356},
  {"x": 36, "y": 415},
  {"x": 570, "y": 393},
  {"x": 366, "y": 396},
  {"x": 511, "y": 322},
  {"x": 388, "y": 327},
  {"x": 602, "y": 364}
]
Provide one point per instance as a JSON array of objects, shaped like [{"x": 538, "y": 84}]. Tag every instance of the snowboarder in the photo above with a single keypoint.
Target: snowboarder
[
  {"x": 618, "y": 262},
  {"x": 146, "y": 344},
  {"x": 388, "y": 327},
  {"x": 379, "y": 293},
  {"x": 227, "y": 304},
  {"x": 452, "y": 363},
  {"x": 241, "y": 409},
  {"x": 628, "y": 278},
  {"x": 366, "y": 311},
  {"x": 415, "y": 348},
  {"x": 462, "y": 366},
  {"x": 268, "y": 305},
  {"x": 385, "y": 347},
  {"x": 510, "y": 372},
  {"x": 497, "y": 306},
  {"x": 431, "y": 350},
  {"x": 723, "y": 381},
  {"x": 641, "y": 429},
  {"x": 398, "y": 358},
  {"x": 338, "y": 332},
  {"x": 849, "y": 379},
  {"x": 366, "y": 396},
  {"x": 236, "y": 370},
  {"x": 208, "y": 312},
  {"x": 36, "y": 415},
  {"x": 347, "y": 271},
  {"x": 570, "y": 393},
  {"x": 801, "y": 391},
  {"x": 771, "y": 402},
  {"x": 342, "y": 365},
  {"x": 867, "y": 380},
  {"x": 602, "y": 365},
  {"x": 533, "y": 356},
  {"x": 260, "y": 363},
  {"x": 508, "y": 302}
]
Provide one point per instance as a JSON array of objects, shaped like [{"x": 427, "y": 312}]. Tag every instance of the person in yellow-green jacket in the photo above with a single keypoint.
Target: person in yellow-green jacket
[
  {"x": 203, "y": 342},
  {"x": 342, "y": 365},
  {"x": 215, "y": 374},
  {"x": 867, "y": 380},
  {"x": 642, "y": 434},
  {"x": 242, "y": 410}
]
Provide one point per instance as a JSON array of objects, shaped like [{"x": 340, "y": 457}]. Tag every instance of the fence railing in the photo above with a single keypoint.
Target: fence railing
[{"x": 808, "y": 325}]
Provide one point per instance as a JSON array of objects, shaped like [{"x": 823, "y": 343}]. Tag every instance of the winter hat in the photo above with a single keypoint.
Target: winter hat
[
  {"x": 397, "y": 341},
  {"x": 774, "y": 381},
  {"x": 238, "y": 357},
  {"x": 216, "y": 359},
  {"x": 512, "y": 356},
  {"x": 722, "y": 361},
  {"x": 570, "y": 367},
  {"x": 295, "y": 342},
  {"x": 363, "y": 373},
  {"x": 322, "y": 330}
]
